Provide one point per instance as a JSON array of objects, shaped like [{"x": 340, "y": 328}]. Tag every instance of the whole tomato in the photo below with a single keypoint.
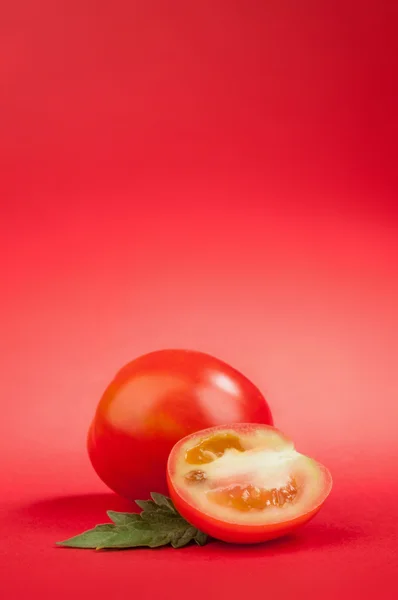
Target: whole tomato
[{"x": 156, "y": 400}]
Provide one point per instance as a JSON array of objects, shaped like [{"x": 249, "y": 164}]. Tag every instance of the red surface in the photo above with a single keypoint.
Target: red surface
[{"x": 214, "y": 175}]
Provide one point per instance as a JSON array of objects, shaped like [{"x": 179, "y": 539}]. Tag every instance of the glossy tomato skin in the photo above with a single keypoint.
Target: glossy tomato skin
[
  {"x": 240, "y": 533},
  {"x": 156, "y": 400}
]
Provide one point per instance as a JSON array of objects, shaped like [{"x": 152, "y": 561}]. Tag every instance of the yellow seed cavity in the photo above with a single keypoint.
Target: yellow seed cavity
[
  {"x": 212, "y": 448},
  {"x": 252, "y": 497}
]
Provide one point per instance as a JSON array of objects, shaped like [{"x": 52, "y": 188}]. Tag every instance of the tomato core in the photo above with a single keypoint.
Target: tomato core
[{"x": 239, "y": 497}]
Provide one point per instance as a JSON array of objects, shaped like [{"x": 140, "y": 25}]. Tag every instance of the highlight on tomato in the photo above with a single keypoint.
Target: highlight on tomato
[
  {"x": 154, "y": 401},
  {"x": 245, "y": 483}
]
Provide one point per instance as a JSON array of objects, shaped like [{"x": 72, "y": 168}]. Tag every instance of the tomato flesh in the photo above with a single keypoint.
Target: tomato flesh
[
  {"x": 245, "y": 483},
  {"x": 251, "y": 497},
  {"x": 156, "y": 400}
]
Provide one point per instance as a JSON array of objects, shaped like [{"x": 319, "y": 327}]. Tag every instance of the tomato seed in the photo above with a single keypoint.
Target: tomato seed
[
  {"x": 253, "y": 498},
  {"x": 195, "y": 476}
]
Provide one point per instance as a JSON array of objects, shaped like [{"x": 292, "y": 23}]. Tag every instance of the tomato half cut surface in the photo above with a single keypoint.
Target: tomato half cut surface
[{"x": 245, "y": 483}]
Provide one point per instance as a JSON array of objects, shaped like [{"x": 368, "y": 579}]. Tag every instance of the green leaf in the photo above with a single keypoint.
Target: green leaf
[
  {"x": 187, "y": 536},
  {"x": 201, "y": 538},
  {"x": 159, "y": 524},
  {"x": 122, "y": 518},
  {"x": 104, "y": 527},
  {"x": 163, "y": 501},
  {"x": 161, "y": 516},
  {"x": 92, "y": 538},
  {"x": 130, "y": 537},
  {"x": 146, "y": 505}
]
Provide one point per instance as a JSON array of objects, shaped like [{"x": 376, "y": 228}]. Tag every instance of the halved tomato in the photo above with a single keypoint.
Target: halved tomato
[{"x": 245, "y": 483}]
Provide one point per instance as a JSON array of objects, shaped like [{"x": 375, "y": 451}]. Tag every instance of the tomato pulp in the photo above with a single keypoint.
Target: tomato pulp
[
  {"x": 156, "y": 400},
  {"x": 245, "y": 483}
]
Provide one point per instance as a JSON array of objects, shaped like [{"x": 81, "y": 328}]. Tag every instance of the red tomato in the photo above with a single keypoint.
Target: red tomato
[
  {"x": 245, "y": 483},
  {"x": 156, "y": 400}
]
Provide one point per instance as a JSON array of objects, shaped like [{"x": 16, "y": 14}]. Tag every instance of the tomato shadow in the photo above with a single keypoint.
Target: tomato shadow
[
  {"x": 64, "y": 516},
  {"x": 311, "y": 537},
  {"x": 69, "y": 513}
]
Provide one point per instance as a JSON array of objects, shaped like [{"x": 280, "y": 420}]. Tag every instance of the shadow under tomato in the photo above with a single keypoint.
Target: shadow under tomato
[
  {"x": 310, "y": 537},
  {"x": 65, "y": 516},
  {"x": 71, "y": 512}
]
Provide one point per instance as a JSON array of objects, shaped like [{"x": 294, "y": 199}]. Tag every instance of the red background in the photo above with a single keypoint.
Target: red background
[{"x": 213, "y": 175}]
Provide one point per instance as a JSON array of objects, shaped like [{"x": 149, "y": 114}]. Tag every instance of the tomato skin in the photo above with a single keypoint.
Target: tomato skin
[
  {"x": 237, "y": 532},
  {"x": 156, "y": 400}
]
